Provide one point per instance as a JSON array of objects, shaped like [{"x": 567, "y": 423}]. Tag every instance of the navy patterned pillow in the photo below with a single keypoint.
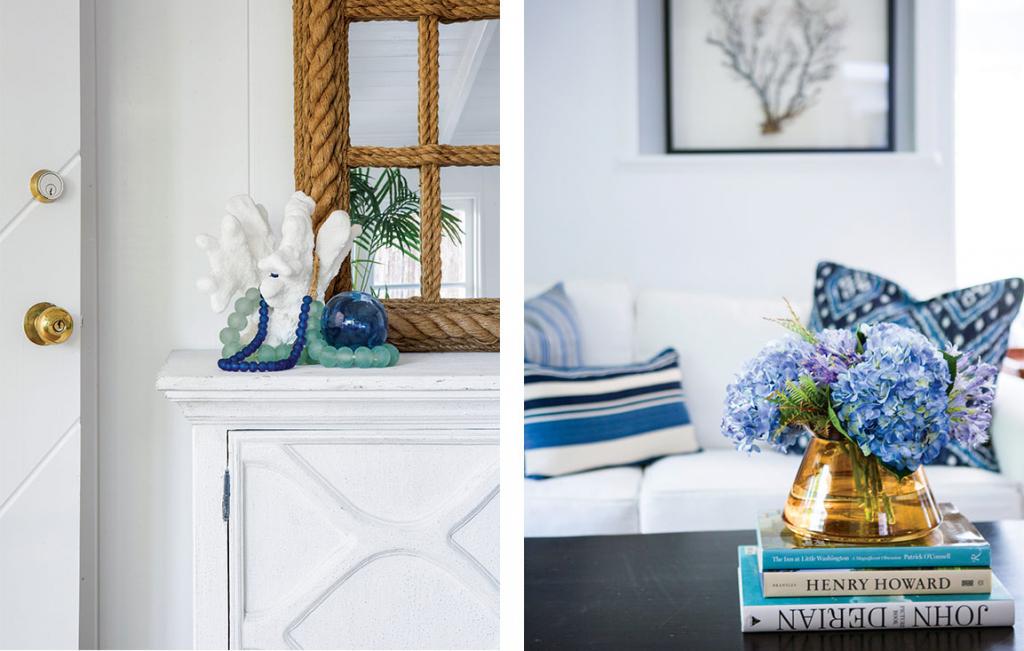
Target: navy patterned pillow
[{"x": 977, "y": 319}]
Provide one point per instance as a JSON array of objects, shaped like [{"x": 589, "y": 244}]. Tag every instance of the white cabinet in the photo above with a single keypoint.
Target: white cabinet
[{"x": 344, "y": 508}]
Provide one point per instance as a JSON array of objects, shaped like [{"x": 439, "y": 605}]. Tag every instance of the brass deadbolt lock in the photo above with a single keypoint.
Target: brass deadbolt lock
[
  {"x": 46, "y": 186},
  {"x": 46, "y": 324}
]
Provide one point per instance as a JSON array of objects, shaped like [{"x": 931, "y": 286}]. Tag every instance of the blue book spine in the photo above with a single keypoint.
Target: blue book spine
[
  {"x": 864, "y": 557},
  {"x": 822, "y": 613}
]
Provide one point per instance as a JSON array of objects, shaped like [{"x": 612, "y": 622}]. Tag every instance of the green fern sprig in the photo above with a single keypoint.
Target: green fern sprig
[{"x": 802, "y": 402}]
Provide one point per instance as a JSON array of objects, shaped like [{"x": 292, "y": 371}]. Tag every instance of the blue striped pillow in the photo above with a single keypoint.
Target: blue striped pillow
[
  {"x": 551, "y": 330},
  {"x": 605, "y": 416}
]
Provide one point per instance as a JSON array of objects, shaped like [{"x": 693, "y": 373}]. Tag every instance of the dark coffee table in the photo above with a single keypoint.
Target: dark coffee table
[{"x": 678, "y": 591}]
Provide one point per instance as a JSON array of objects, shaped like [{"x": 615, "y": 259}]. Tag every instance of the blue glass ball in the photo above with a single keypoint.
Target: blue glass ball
[{"x": 354, "y": 319}]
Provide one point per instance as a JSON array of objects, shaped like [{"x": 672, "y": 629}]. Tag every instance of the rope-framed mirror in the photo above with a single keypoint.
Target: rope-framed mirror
[{"x": 324, "y": 156}]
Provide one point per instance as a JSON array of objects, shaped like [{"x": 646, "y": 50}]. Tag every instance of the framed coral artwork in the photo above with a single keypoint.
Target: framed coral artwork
[{"x": 747, "y": 76}]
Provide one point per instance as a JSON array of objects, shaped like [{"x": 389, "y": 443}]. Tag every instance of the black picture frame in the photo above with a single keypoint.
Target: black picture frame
[{"x": 890, "y": 146}]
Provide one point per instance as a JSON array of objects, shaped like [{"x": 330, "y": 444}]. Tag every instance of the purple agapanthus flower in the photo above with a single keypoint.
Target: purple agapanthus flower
[
  {"x": 970, "y": 400},
  {"x": 894, "y": 402},
  {"x": 834, "y": 352},
  {"x": 749, "y": 415}
]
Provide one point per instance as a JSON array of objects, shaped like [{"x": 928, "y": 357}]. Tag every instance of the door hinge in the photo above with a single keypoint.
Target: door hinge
[{"x": 225, "y": 504}]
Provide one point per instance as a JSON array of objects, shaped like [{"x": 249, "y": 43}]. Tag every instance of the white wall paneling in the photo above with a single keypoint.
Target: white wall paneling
[{"x": 752, "y": 225}]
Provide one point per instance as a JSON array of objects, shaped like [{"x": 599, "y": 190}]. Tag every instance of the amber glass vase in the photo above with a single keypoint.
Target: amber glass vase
[{"x": 842, "y": 496}]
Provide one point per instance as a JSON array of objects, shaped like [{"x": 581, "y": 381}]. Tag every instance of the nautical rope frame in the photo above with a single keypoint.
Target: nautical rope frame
[{"x": 324, "y": 156}]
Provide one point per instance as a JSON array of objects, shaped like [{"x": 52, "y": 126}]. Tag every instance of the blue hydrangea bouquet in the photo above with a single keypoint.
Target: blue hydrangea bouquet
[{"x": 887, "y": 396}]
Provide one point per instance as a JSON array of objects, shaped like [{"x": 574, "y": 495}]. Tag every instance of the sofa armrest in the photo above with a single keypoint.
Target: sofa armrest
[{"x": 1008, "y": 426}]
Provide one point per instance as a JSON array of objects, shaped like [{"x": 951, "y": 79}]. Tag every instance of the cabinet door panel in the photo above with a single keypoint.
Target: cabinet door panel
[{"x": 364, "y": 539}]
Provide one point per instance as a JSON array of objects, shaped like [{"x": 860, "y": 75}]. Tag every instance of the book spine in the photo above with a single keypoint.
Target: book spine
[
  {"x": 847, "y": 583},
  {"x": 875, "y": 557},
  {"x": 874, "y": 616}
]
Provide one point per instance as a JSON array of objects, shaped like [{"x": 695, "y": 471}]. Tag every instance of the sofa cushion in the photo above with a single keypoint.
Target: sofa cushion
[
  {"x": 593, "y": 417},
  {"x": 724, "y": 489},
  {"x": 551, "y": 332},
  {"x": 714, "y": 335},
  {"x": 605, "y": 313},
  {"x": 1008, "y": 427},
  {"x": 981, "y": 495},
  {"x": 599, "y": 502},
  {"x": 714, "y": 490}
]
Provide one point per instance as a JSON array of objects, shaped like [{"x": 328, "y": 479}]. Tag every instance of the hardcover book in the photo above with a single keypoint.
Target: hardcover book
[
  {"x": 956, "y": 543},
  {"x": 786, "y": 614},
  {"x": 839, "y": 583}
]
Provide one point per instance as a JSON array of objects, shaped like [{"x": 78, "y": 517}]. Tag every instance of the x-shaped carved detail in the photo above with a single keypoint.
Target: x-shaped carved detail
[{"x": 370, "y": 538}]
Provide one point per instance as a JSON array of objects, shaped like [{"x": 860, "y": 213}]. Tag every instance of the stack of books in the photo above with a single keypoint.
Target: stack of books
[{"x": 943, "y": 580}]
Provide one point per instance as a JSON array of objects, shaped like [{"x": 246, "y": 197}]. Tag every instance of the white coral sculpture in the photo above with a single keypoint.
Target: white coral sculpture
[{"x": 245, "y": 256}]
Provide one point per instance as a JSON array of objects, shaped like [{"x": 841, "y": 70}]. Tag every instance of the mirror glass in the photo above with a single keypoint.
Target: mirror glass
[
  {"x": 383, "y": 81},
  {"x": 468, "y": 83},
  {"x": 383, "y": 78}
]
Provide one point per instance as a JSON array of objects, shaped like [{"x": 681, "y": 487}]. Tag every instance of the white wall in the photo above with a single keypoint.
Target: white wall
[
  {"x": 749, "y": 225},
  {"x": 172, "y": 144},
  {"x": 194, "y": 105},
  {"x": 989, "y": 141}
]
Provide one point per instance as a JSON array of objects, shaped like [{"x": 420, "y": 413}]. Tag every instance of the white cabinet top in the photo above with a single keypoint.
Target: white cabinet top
[
  {"x": 196, "y": 370},
  {"x": 454, "y": 389}
]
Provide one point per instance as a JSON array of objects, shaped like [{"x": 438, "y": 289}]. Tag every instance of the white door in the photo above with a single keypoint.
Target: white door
[
  {"x": 40, "y": 432},
  {"x": 363, "y": 539}
]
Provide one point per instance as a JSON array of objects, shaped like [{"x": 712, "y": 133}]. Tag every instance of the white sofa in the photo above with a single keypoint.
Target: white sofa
[{"x": 719, "y": 488}]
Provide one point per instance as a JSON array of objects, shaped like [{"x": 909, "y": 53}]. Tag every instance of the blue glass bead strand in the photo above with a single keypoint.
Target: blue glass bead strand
[
  {"x": 300, "y": 339},
  {"x": 237, "y": 361}
]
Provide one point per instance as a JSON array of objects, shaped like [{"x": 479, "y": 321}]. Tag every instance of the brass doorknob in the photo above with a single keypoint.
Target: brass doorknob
[{"x": 47, "y": 324}]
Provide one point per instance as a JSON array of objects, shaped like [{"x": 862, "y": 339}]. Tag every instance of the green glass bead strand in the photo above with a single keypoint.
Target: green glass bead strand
[
  {"x": 381, "y": 357},
  {"x": 345, "y": 356},
  {"x": 245, "y": 306},
  {"x": 230, "y": 336},
  {"x": 363, "y": 357},
  {"x": 238, "y": 321}
]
